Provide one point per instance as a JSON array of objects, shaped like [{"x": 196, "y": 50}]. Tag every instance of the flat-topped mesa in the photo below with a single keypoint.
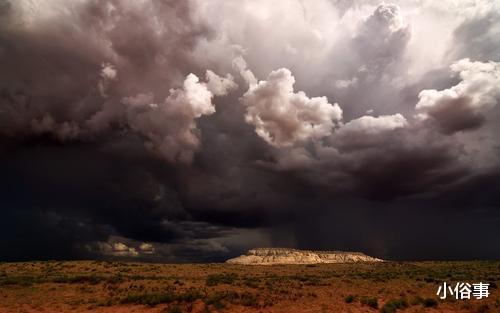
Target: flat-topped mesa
[{"x": 269, "y": 256}]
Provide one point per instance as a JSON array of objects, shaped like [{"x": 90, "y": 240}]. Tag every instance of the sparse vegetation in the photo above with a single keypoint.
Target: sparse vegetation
[
  {"x": 216, "y": 300},
  {"x": 392, "y": 306},
  {"x": 216, "y": 279},
  {"x": 168, "y": 296},
  {"x": 429, "y": 302},
  {"x": 251, "y": 282},
  {"x": 349, "y": 299},
  {"x": 249, "y": 299},
  {"x": 369, "y": 301},
  {"x": 390, "y": 286}
]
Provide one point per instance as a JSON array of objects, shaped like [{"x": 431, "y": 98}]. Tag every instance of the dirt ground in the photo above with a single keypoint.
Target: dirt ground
[{"x": 101, "y": 286}]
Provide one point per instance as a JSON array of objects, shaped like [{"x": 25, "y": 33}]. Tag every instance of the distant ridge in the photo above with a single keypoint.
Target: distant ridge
[{"x": 269, "y": 256}]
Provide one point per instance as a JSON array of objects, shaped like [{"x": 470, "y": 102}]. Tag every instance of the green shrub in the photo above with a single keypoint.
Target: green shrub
[
  {"x": 371, "y": 302},
  {"x": 388, "y": 309},
  {"x": 190, "y": 295},
  {"x": 392, "y": 306},
  {"x": 216, "y": 279},
  {"x": 90, "y": 279},
  {"x": 429, "y": 302},
  {"x": 349, "y": 299},
  {"x": 23, "y": 281},
  {"x": 217, "y": 298},
  {"x": 251, "y": 282},
  {"x": 153, "y": 299},
  {"x": 308, "y": 280},
  {"x": 249, "y": 299}
]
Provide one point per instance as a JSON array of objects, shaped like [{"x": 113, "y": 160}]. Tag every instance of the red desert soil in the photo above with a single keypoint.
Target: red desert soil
[{"x": 99, "y": 286}]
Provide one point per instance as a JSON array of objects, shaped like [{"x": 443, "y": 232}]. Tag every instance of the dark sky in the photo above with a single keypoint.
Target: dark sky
[{"x": 191, "y": 131}]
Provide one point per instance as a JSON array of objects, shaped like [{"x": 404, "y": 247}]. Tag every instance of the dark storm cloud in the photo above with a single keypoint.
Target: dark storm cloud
[
  {"x": 192, "y": 130},
  {"x": 94, "y": 58}
]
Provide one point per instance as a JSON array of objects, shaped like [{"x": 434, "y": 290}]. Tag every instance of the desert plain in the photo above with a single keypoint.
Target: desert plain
[{"x": 107, "y": 286}]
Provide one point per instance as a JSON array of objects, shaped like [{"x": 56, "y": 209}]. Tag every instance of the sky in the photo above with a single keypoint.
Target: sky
[{"x": 192, "y": 131}]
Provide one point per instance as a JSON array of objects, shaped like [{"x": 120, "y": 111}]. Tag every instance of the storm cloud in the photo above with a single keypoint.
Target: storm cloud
[{"x": 194, "y": 130}]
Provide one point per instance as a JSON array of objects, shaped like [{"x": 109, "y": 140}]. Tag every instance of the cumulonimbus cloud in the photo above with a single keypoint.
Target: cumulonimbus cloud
[
  {"x": 86, "y": 85},
  {"x": 366, "y": 131},
  {"x": 463, "y": 106},
  {"x": 283, "y": 117},
  {"x": 382, "y": 38},
  {"x": 170, "y": 126}
]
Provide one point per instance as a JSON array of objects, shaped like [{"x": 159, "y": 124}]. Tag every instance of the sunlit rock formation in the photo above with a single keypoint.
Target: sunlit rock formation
[{"x": 269, "y": 256}]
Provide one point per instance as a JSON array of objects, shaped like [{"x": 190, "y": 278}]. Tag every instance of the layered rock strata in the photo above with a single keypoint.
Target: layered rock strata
[{"x": 269, "y": 256}]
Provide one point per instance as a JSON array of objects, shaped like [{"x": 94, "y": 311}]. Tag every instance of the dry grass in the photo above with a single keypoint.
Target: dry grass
[{"x": 89, "y": 286}]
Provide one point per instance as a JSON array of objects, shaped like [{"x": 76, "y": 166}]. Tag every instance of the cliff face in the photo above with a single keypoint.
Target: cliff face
[{"x": 269, "y": 256}]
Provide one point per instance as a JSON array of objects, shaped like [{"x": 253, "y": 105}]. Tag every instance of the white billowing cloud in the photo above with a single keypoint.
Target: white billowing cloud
[
  {"x": 282, "y": 117},
  {"x": 116, "y": 249},
  {"x": 108, "y": 71},
  {"x": 108, "y": 74},
  {"x": 387, "y": 18},
  {"x": 462, "y": 106},
  {"x": 147, "y": 248},
  {"x": 371, "y": 125},
  {"x": 170, "y": 126},
  {"x": 346, "y": 83},
  {"x": 359, "y": 139},
  {"x": 295, "y": 31},
  {"x": 241, "y": 65},
  {"x": 117, "y": 246},
  {"x": 367, "y": 131},
  {"x": 218, "y": 85},
  {"x": 120, "y": 247},
  {"x": 382, "y": 37}
]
